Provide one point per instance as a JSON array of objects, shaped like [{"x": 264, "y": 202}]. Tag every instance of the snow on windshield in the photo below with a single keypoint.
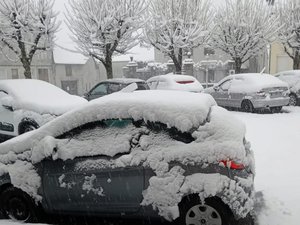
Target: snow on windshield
[{"x": 38, "y": 96}]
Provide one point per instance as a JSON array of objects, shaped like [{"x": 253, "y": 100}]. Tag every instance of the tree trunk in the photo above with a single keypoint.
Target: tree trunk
[
  {"x": 108, "y": 67},
  {"x": 238, "y": 65},
  {"x": 26, "y": 65},
  {"x": 177, "y": 61},
  {"x": 296, "y": 61}
]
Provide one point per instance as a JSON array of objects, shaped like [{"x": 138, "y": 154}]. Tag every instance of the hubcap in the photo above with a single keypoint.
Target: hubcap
[
  {"x": 17, "y": 209},
  {"x": 29, "y": 128},
  {"x": 293, "y": 100},
  {"x": 203, "y": 215}
]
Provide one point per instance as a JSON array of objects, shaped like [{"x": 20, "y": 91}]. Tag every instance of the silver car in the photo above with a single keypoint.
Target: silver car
[
  {"x": 250, "y": 92},
  {"x": 292, "y": 77}
]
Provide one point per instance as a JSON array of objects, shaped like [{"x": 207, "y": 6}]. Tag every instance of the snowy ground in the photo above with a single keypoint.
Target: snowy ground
[{"x": 275, "y": 139}]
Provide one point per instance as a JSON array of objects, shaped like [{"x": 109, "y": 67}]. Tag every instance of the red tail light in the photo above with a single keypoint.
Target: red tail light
[
  {"x": 232, "y": 165},
  {"x": 185, "y": 82}
]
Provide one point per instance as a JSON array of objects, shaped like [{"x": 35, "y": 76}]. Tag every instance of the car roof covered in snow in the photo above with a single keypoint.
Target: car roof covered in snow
[
  {"x": 124, "y": 80},
  {"x": 38, "y": 96},
  {"x": 182, "y": 110},
  {"x": 176, "y": 82},
  {"x": 172, "y": 77},
  {"x": 253, "y": 82}
]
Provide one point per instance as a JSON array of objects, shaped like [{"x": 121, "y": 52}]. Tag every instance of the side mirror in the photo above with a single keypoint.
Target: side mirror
[
  {"x": 8, "y": 107},
  {"x": 216, "y": 88},
  {"x": 86, "y": 95}
]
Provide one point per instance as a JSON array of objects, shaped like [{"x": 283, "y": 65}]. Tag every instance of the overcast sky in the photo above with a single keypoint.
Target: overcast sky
[{"x": 63, "y": 39}]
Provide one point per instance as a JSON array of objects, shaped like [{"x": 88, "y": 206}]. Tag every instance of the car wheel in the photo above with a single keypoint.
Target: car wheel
[
  {"x": 212, "y": 211},
  {"x": 17, "y": 205},
  {"x": 247, "y": 106},
  {"x": 275, "y": 109},
  {"x": 26, "y": 127},
  {"x": 293, "y": 100}
]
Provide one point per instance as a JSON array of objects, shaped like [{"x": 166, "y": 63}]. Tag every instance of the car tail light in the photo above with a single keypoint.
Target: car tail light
[
  {"x": 232, "y": 165},
  {"x": 185, "y": 82},
  {"x": 261, "y": 93}
]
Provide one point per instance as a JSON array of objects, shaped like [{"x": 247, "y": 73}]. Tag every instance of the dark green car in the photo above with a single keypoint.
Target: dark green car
[{"x": 139, "y": 155}]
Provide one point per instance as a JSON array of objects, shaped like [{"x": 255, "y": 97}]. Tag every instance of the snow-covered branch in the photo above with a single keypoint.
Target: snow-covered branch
[
  {"x": 103, "y": 28},
  {"x": 27, "y": 26},
  {"x": 244, "y": 28},
  {"x": 174, "y": 25},
  {"x": 289, "y": 35}
]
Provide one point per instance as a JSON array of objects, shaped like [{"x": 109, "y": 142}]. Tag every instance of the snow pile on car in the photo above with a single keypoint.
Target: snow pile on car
[
  {"x": 218, "y": 136},
  {"x": 253, "y": 82},
  {"x": 38, "y": 96},
  {"x": 175, "y": 82}
]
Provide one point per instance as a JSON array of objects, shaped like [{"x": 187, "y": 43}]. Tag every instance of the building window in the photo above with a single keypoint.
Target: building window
[
  {"x": 209, "y": 51},
  {"x": 14, "y": 73},
  {"x": 211, "y": 76},
  {"x": 68, "y": 70},
  {"x": 43, "y": 74}
]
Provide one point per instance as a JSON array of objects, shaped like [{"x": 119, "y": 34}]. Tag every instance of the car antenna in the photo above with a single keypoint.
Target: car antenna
[{"x": 263, "y": 70}]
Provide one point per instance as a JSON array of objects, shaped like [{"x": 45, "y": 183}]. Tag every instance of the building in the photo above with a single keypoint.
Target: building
[
  {"x": 279, "y": 60},
  {"x": 70, "y": 71},
  {"x": 211, "y": 65}
]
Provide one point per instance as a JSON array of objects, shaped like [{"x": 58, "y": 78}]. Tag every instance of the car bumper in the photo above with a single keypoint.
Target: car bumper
[{"x": 267, "y": 103}]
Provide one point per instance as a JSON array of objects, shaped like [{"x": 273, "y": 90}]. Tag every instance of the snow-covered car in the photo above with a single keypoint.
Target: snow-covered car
[
  {"x": 28, "y": 104},
  {"x": 114, "y": 85},
  {"x": 251, "y": 92},
  {"x": 151, "y": 154},
  {"x": 175, "y": 82},
  {"x": 292, "y": 77}
]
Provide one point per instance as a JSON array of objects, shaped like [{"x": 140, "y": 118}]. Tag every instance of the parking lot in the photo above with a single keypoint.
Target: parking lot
[{"x": 275, "y": 141}]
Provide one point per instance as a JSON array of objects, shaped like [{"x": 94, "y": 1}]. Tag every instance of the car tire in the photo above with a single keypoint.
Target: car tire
[
  {"x": 17, "y": 205},
  {"x": 25, "y": 127},
  {"x": 293, "y": 100},
  {"x": 276, "y": 109},
  {"x": 247, "y": 106},
  {"x": 212, "y": 211}
]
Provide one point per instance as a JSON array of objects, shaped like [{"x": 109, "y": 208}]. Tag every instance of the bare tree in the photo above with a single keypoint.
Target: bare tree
[
  {"x": 103, "y": 28},
  {"x": 243, "y": 29},
  {"x": 27, "y": 26},
  {"x": 289, "y": 35},
  {"x": 175, "y": 25}
]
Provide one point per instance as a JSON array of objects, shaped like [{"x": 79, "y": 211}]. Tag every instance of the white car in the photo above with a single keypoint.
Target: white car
[
  {"x": 175, "y": 82},
  {"x": 292, "y": 77},
  {"x": 28, "y": 104}
]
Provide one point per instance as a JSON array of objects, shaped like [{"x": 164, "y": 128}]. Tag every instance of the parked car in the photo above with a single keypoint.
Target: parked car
[
  {"x": 292, "y": 77},
  {"x": 114, "y": 85},
  {"x": 251, "y": 92},
  {"x": 27, "y": 104},
  {"x": 175, "y": 82},
  {"x": 146, "y": 154}
]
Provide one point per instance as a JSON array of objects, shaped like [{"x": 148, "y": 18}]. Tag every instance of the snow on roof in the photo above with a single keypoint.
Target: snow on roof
[
  {"x": 38, "y": 96},
  {"x": 63, "y": 56},
  {"x": 253, "y": 82},
  {"x": 182, "y": 110}
]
